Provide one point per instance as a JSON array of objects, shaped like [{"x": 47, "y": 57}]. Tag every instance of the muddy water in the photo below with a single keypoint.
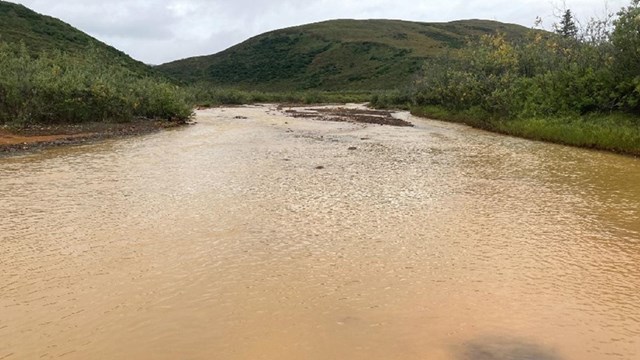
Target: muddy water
[{"x": 223, "y": 241}]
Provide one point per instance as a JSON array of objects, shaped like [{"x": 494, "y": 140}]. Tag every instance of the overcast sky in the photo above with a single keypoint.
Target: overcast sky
[{"x": 158, "y": 31}]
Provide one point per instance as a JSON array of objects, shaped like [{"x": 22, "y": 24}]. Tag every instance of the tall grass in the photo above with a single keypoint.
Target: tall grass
[{"x": 617, "y": 132}]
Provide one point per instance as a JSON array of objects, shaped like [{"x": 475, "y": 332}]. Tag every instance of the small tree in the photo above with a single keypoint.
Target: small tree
[{"x": 567, "y": 27}]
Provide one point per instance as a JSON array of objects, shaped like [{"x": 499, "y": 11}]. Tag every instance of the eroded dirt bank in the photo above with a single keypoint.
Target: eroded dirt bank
[{"x": 40, "y": 137}]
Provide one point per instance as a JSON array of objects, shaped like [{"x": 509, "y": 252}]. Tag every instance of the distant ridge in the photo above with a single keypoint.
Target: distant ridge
[{"x": 334, "y": 55}]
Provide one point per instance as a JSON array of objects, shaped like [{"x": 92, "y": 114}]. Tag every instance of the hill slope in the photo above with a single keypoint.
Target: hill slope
[
  {"x": 333, "y": 55},
  {"x": 44, "y": 33}
]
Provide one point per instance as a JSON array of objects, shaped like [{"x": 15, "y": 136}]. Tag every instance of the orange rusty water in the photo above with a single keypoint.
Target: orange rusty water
[{"x": 223, "y": 241}]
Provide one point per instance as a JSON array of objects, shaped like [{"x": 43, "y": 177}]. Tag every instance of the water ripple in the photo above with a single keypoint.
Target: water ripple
[{"x": 272, "y": 237}]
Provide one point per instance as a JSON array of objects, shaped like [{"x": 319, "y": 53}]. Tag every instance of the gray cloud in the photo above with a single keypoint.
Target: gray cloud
[{"x": 164, "y": 30}]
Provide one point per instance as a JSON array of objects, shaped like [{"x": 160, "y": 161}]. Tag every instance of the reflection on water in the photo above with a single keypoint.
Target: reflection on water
[
  {"x": 504, "y": 349},
  {"x": 224, "y": 240}
]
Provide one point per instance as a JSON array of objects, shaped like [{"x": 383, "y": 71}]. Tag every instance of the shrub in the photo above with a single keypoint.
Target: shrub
[
  {"x": 569, "y": 73},
  {"x": 62, "y": 88}
]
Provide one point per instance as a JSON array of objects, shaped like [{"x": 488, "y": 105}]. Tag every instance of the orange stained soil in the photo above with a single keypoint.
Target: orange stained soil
[{"x": 10, "y": 138}]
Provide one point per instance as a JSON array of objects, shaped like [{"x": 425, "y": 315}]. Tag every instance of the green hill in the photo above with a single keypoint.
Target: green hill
[
  {"x": 333, "y": 55},
  {"x": 44, "y": 33}
]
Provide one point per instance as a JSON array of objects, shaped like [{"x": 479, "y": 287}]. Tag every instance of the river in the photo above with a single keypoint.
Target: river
[{"x": 253, "y": 235}]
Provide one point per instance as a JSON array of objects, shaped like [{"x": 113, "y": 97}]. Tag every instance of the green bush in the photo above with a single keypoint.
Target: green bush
[
  {"x": 392, "y": 99},
  {"x": 569, "y": 73},
  {"x": 62, "y": 88},
  {"x": 626, "y": 42}
]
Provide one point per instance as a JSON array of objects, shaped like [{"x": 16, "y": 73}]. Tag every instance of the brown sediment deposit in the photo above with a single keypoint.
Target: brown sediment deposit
[
  {"x": 35, "y": 137},
  {"x": 343, "y": 114}
]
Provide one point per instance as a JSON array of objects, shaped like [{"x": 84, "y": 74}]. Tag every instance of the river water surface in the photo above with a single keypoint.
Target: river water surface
[{"x": 224, "y": 240}]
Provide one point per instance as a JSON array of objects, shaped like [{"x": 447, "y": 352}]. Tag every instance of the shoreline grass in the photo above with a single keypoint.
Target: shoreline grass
[{"x": 614, "y": 132}]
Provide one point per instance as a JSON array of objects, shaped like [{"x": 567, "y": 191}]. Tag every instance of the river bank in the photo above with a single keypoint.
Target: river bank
[
  {"x": 618, "y": 133},
  {"x": 615, "y": 132},
  {"x": 16, "y": 140}
]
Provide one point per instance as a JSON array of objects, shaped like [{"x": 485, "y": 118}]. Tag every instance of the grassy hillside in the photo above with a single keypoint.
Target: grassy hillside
[
  {"x": 334, "y": 55},
  {"x": 44, "y": 33}
]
